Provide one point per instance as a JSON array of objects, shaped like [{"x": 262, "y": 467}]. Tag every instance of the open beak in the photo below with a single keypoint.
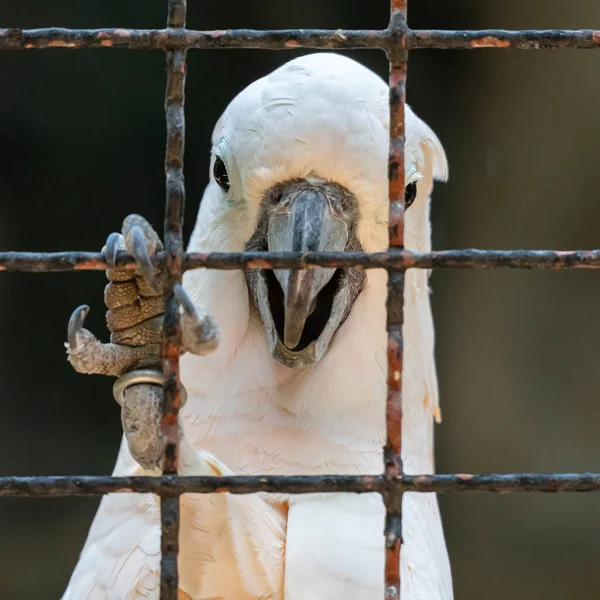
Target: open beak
[
  {"x": 302, "y": 309},
  {"x": 303, "y": 222}
]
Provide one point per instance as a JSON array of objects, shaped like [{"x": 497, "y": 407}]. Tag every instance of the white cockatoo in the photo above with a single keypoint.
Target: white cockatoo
[{"x": 297, "y": 384}]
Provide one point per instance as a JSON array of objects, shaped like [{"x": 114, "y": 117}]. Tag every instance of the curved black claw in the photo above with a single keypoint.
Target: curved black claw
[
  {"x": 76, "y": 325},
  {"x": 113, "y": 243},
  {"x": 184, "y": 300},
  {"x": 139, "y": 250},
  {"x": 200, "y": 332}
]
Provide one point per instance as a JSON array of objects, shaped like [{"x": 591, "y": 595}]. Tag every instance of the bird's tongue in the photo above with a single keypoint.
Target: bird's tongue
[{"x": 306, "y": 225}]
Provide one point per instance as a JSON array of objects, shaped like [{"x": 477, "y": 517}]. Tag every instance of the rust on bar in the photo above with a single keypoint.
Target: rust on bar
[
  {"x": 398, "y": 57},
  {"x": 179, "y": 38},
  {"x": 400, "y": 259},
  {"x": 394, "y": 260},
  {"x": 173, "y": 264},
  {"x": 490, "y": 42},
  {"x": 54, "y": 262},
  {"x": 549, "y": 39},
  {"x": 173, "y": 485}
]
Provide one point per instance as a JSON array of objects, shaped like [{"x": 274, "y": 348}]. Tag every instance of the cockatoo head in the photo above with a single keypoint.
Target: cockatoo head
[{"x": 299, "y": 164}]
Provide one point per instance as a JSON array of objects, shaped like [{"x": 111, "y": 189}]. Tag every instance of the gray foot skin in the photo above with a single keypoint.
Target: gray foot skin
[{"x": 134, "y": 318}]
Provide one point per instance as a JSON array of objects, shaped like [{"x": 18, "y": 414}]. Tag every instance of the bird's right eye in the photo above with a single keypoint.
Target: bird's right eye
[{"x": 220, "y": 174}]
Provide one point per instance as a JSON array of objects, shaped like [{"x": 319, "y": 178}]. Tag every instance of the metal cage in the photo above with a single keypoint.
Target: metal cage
[{"x": 397, "y": 40}]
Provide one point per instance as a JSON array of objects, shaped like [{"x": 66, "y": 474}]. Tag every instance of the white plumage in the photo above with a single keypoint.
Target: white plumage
[{"x": 320, "y": 117}]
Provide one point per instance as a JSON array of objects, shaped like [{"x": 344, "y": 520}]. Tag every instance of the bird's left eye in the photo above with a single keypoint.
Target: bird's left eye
[
  {"x": 410, "y": 193},
  {"x": 220, "y": 174}
]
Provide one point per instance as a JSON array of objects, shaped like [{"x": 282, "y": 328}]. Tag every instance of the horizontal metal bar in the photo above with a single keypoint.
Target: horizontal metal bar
[
  {"x": 56, "y": 262},
  {"x": 52, "y": 262},
  {"x": 549, "y": 39},
  {"x": 401, "y": 259},
  {"x": 173, "y": 485},
  {"x": 289, "y": 39},
  {"x": 173, "y": 39}
]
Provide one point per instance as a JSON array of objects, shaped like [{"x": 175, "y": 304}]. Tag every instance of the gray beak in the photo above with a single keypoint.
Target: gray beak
[{"x": 303, "y": 222}]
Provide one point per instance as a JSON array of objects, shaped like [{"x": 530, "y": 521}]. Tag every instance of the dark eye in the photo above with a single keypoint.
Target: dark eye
[
  {"x": 410, "y": 193},
  {"x": 220, "y": 174}
]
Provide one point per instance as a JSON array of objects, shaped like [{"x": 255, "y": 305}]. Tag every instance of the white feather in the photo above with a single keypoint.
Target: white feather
[{"x": 327, "y": 116}]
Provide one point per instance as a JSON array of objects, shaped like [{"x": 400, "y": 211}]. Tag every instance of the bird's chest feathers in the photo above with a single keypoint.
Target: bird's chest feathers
[
  {"x": 313, "y": 422},
  {"x": 259, "y": 417}
]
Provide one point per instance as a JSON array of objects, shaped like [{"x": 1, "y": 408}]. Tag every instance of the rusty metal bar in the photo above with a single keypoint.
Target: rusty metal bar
[
  {"x": 395, "y": 259},
  {"x": 550, "y": 39},
  {"x": 398, "y": 59},
  {"x": 179, "y": 38},
  {"x": 174, "y": 253},
  {"x": 169, "y": 486},
  {"x": 173, "y": 39}
]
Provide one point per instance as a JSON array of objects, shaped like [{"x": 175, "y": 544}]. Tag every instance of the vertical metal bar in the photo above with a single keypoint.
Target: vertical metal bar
[
  {"x": 398, "y": 57},
  {"x": 174, "y": 250}
]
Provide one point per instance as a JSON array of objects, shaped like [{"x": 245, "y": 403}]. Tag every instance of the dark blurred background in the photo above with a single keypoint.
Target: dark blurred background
[{"x": 82, "y": 141}]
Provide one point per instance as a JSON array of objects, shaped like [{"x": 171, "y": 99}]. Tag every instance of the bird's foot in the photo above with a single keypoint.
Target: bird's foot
[{"x": 134, "y": 298}]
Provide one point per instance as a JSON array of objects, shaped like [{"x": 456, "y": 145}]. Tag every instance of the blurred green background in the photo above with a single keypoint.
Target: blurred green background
[{"x": 81, "y": 146}]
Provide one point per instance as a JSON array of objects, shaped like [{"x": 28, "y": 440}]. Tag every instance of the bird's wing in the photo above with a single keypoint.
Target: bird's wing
[
  {"x": 425, "y": 567},
  {"x": 121, "y": 557},
  {"x": 231, "y": 547}
]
